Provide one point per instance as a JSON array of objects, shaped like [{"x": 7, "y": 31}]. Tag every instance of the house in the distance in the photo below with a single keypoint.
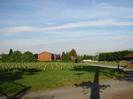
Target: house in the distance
[
  {"x": 47, "y": 56},
  {"x": 129, "y": 58}
]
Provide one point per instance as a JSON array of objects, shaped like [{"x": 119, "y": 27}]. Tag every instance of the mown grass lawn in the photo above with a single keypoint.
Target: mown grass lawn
[
  {"x": 33, "y": 78},
  {"x": 54, "y": 79}
]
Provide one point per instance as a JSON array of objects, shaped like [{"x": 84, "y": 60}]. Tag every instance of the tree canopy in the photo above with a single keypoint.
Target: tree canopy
[
  {"x": 73, "y": 53},
  {"x": 28, "y": 57},
  {"x": 17, "y": 56},
  {"x": 113, "y": 56},
  {"x": 69, "y": 56}
]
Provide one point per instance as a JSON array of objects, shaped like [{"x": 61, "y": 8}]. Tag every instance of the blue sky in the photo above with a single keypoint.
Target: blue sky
[{"x": 89, "y": 26}]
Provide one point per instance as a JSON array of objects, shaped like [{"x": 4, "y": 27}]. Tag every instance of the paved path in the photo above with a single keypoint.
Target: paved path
[
  {"x": 101, "y": 65},
  {"x": 109, "y": 66},
  {"x": 111, "y": 89}
]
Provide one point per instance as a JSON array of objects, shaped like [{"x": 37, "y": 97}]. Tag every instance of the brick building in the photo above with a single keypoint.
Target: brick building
[
  {"x": 129, "y": 58},
  {"x": 47, "y": 56}
]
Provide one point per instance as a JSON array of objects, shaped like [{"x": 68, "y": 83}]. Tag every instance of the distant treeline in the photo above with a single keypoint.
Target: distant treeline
[
  {"x": 114, "y": 56},
  {"x": 18, "y": 56}
]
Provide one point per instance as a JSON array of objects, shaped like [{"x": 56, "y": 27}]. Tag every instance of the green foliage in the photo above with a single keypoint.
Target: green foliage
[
  {"x": 28, "y": 57},
  {"x": 4, "y": 58},
  {"x": 113, "y": 56},
  {"x": 88, "y": 57},
  {"x": 73, "y": 53},
  {"x": 65, "y": 56},
  {"x": 15, "y": 56},
  {"x": 69, "y": 56},
  {"x": 79, "y": 58},
  {"x": 10, "y": 52}
]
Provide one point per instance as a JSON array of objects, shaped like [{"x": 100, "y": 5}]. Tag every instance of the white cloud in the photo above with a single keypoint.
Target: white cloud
[
  {"x": 17, "y": 29},
  {"x": 75, "y": 25},
  {"x": 97, "y": 23}
]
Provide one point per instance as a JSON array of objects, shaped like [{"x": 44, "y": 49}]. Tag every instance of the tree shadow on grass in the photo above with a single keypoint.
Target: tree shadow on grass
[
  {"x": 94, "y": 85},
  {"x": 17, "y": 92},
  {"x": 9, "y": 88}
]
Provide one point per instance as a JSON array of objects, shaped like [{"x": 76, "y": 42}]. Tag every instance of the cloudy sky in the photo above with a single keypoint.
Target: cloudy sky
[{"x": 89, "y": 26}]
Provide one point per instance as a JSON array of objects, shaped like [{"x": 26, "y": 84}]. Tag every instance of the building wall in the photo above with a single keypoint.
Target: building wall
[
  {"x": 130, "y": 64},
  {"x": 45, "y": 56}
]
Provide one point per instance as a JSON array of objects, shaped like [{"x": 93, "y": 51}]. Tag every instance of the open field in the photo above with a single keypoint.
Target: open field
[{"x": 16, "y": 78}]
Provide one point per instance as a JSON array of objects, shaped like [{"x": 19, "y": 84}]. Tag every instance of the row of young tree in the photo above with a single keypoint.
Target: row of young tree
[
  {"x": 70, "y": 56},
  {"x": 114, "y": 56},
  {"x": 17, "y": 56}
]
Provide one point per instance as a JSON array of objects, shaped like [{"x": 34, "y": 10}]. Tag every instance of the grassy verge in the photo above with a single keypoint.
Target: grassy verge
[{"x": 112, "y": 63}]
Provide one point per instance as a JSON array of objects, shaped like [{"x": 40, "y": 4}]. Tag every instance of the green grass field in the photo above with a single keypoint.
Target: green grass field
[{"x": 18, "y": 77}]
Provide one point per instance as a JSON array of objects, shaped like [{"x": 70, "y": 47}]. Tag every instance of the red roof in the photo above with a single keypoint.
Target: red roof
[{"x": 45, "y": 52}]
